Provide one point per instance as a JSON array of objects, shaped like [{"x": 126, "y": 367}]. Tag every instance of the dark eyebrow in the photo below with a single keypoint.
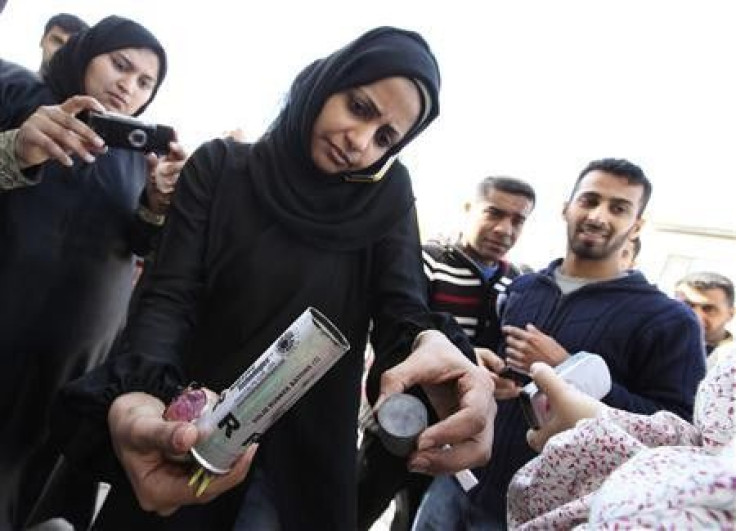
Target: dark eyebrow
[
  {"x": 589, "y": 194},
  {"x": 495, "y": 209},
  {"x": 622, "y": 201},
  {"x": 120, "y": 55},
  {"x": 131, "y": 64},
  {"x": 375, "y": 111}
]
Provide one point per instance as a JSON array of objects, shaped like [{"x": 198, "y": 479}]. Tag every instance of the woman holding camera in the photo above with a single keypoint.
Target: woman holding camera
[
  {"x": 316, "y": 213},
  {"x": 72, "y": 215}
]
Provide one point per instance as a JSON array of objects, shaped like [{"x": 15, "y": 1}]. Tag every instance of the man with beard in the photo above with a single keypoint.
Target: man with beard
[
  {"x": 586, "y": 302},
  {"x": 464, "y": 279}
]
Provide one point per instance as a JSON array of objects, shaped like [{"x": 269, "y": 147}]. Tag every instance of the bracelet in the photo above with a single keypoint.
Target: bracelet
[{"x": 149, "y": 216}]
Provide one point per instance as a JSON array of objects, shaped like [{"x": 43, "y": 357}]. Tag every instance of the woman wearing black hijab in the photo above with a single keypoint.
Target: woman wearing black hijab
[
  {"x": 316, "y": 213},
  {"x": 71, "y": 218}
]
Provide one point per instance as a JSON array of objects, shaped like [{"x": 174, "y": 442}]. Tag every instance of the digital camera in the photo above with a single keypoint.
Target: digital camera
[{"x": 128, "y": 133}]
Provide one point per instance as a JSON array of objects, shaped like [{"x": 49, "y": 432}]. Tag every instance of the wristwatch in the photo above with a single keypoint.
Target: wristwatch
[{"x": 149, "y": 216}]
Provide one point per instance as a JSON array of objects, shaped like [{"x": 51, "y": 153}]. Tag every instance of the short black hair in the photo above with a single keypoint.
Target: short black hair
[
  {"x": 620, "y": 168},
  {"x": 510, "y": 185},
  {"x": 67, "y": 22},
  {"x": 702, "y": 280}
]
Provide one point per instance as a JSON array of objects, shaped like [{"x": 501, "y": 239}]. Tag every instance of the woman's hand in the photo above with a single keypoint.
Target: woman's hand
[
  {"x": 147, "y": 447},
  {"x": 526, "y": 346},
  {"x": 163, "y": 173},
  {"x": 53, "y": 132},
  {"x": 460, "y": 393},
  {"x": 566, "y": 404}
]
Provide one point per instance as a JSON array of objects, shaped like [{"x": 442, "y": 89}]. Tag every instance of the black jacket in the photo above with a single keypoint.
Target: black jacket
[
  {"x": 651, "y": 344},
  {"x": 66, "y": 266},
  {"x": 227, "y": 281}
]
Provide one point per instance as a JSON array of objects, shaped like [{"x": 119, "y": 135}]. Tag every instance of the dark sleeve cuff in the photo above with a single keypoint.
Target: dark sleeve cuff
[{"x": 79, "y": 414}]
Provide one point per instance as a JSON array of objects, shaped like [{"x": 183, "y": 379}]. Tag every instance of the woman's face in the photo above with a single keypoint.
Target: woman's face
[
  {"x": 122, "y": 80},
  {"x": 358, "y": 126}
]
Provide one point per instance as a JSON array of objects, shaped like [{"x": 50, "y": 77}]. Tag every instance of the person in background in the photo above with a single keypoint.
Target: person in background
[
  {"x": 710, "y": 296},
  {"x": 584, "y": 302},
  {"x": 57, "y": 31},
  {"x": 319, "y": 213},
  {"x": 602, "y": 467},
  {"x": 73, "y": 214},
  {"x": 464, "y": 279}
]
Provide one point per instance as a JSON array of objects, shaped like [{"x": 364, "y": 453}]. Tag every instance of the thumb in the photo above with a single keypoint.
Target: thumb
[
  {"x": 151, "y": 162},
  {"x": 548, "y": 381},
  {"x": 154, "y": 433},
  {"x": 395, "y": 380}
]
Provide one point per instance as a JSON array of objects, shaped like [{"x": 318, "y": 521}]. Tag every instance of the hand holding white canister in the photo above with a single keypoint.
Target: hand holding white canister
[
  {"x": 587, "y": 372},
  {"x": 265, "y": 391}
]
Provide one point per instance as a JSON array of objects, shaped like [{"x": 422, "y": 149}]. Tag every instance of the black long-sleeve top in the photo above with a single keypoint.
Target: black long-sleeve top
[
  {"x": 227, "y": 281},
  {"x": 67, "y": 244}
]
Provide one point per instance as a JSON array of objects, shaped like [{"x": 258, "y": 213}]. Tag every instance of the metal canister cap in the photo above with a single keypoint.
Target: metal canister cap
[{"x": 401, "y": 419}]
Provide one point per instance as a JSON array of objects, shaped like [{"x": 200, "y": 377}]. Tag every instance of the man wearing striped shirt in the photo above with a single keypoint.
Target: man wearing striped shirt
[
  {"x": 468, "y": 278},
  {"x": 465, "y": 280}
]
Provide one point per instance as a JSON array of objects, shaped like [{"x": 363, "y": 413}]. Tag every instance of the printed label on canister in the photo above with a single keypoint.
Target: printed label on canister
[{"x": 268, "y": 388}]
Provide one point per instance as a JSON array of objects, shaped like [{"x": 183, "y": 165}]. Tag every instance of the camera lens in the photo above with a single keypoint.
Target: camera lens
[{"x": 137, "y": 138}]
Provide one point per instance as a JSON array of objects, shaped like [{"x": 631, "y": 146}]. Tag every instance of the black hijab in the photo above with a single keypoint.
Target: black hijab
[
  {"x": 325, "y": 210},
  {"x": 69, "y": 64}
]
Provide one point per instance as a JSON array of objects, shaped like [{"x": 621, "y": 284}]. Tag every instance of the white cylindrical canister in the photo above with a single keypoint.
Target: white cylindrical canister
[{"x": 268, "y": 388}]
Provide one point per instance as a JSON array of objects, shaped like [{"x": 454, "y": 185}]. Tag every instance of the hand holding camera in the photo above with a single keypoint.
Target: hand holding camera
[
  {"x": 163, "y": 175},
  {"x": 164, "y": 156},
  {"x": 52, "y": 132}
]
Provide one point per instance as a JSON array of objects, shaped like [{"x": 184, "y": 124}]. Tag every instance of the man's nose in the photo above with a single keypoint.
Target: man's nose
[
  {"x": 504, "y": 226},
  {"x": 598, "y": 214}
]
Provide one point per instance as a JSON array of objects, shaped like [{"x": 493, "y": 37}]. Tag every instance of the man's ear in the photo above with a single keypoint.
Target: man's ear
[
  {"x": 467, "y": 206},
  {"x": 636, "y": 230},
  {"x": 564, "y": 208}
]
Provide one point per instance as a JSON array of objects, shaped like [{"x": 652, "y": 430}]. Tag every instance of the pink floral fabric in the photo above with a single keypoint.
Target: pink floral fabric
[{"x": 626, "y": 471}]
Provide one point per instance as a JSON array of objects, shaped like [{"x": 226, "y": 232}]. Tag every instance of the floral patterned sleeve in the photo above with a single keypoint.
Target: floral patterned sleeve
[
  {"x": 626, "y": 471},
  {"x": 553, "y": 490},
  {"x": 11, "y": 175},
  {"x": 673, "y": 487},
  {"x": 659, "y": 429}
]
